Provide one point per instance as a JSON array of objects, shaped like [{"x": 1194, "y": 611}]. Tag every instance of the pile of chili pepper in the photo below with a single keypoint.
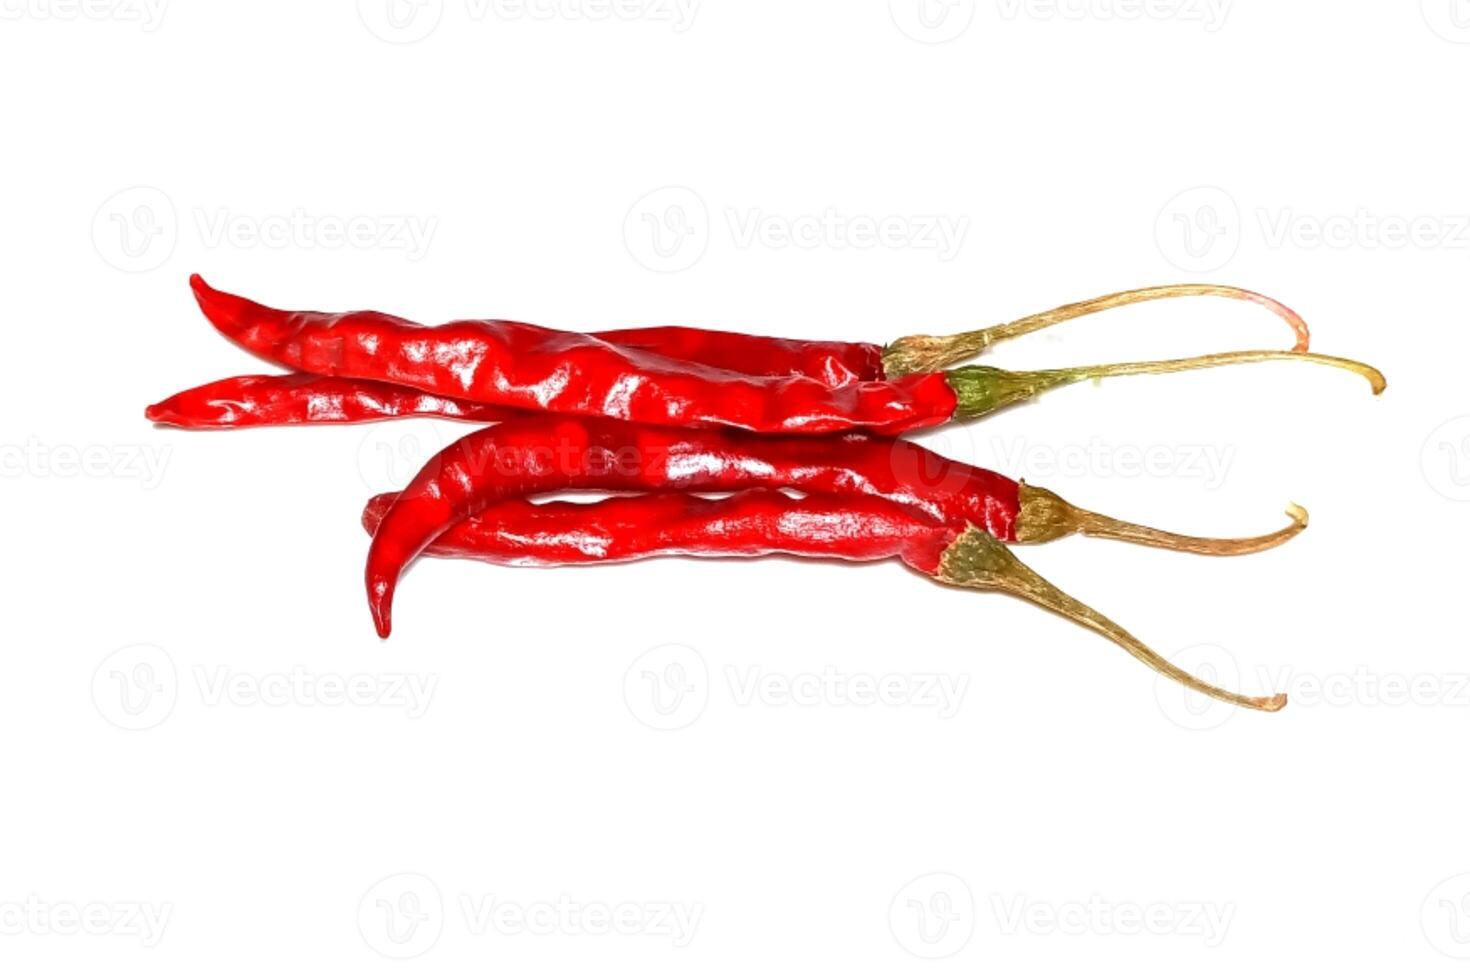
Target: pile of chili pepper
[{"x": 800, "y": 438}]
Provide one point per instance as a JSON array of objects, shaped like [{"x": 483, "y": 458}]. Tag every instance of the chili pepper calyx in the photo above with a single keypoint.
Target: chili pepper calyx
[
  {"x": 980, "y": 390},
  {"x": 926, "y": 353},
  {"x": 1043, "y": 516},
  {"x": 977, "y": 560}
]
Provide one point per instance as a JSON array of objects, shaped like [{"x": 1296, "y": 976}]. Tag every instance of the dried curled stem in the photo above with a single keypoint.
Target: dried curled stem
[
  {"x": 977, "y": 560},
  {"x": 981, "y": 389},
  {"x": 1046, "y": 517},
  {"x": 923, "y": 353}
]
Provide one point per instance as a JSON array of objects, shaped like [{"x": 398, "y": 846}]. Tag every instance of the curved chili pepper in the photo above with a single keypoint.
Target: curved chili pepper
[
  {"x": 544, "y": 454},
  {"x": 523, "y": 366},
  {"x": 300, "y": 398},
  {"x": 835, "y": 362},
  {"x": 765, "y": 522}
]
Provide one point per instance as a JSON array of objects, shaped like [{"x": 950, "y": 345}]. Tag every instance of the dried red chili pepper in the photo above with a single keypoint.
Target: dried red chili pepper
[
  {"x": 522, "y": 366},
  {"x": 551, "y": 453},
  {"x": 299, "y": 398},
  {"x": 831, "y": 362},
  {"x": 764, "y": 522}
]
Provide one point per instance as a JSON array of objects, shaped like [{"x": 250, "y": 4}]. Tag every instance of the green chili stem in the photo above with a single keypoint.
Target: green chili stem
[
  {"x": 981, "y": 389},
  {"x": 1044, "y": 516},
  {"x": 977, "y": 560},
  {"x": 925, "y": 353}
]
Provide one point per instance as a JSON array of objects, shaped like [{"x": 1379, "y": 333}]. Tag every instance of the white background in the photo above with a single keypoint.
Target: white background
[{"x": 174, "y": 608}]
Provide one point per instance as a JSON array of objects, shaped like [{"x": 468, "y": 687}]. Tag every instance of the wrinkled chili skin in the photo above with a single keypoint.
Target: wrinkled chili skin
[
  {"x": 308, "y": 399},
  {"x": 747, "y": 524},
  {"x": 554, "y": 453},
  {"x": 832, "y": 362},
  {"x": 523, "y": 366}
]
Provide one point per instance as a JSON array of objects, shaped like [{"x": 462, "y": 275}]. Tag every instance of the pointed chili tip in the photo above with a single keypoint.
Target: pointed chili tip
[
  {"x": 380, "y": 601},
  {"x": 163, "y": 413},
  {"x": 1274, "y": 703},
  {"x": 228, "y": 313}
]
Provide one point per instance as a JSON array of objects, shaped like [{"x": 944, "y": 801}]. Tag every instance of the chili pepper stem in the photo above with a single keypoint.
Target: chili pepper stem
[
  {"x": 925, "y": 353},
  {"x": 980, "y": 389},
  {"x": 1043, "y": 516},
  {"x": 976, "y": 560}
]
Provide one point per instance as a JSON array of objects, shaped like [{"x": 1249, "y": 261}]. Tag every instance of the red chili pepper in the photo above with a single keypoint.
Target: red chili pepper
[
  {"x": 548, "y": 454},
  {"x": 523, "y": 366},
  {"x": 832, "y": 362},
  {"x": 764, "y": 522},
  {"x": 296, "y": 399}
]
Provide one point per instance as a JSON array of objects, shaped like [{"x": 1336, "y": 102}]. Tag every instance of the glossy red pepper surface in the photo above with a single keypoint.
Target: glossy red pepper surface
[
  {"x": 832, "y": 362},
  {"x": 302, "y": 399},
  {"x": 746, "y": 524},
  {"x": 519, "y": 365},
  {"x": 549, "y": 453}
]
